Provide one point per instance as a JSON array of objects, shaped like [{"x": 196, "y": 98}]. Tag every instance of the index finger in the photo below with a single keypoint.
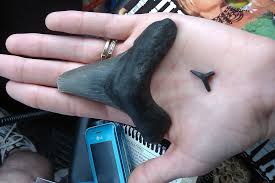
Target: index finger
[{"x": 87, "y": 23}]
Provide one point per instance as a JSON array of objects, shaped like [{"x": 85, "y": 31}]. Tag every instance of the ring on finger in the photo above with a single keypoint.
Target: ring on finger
[{"x": 108, "y": 49}]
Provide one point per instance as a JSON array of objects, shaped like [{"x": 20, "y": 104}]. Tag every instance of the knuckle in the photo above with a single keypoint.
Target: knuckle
[
  {"x": 106, "y": 33},
  {"x": 81, "y": 23},
  {"x": 20, "y": 69},
  {"x": 35, "y": 98}
]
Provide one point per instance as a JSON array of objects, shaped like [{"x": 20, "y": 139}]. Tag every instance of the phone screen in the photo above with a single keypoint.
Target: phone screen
[{"x": 105, "y": 163}]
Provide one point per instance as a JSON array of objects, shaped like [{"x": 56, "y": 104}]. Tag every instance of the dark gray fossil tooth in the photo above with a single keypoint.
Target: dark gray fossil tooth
[
  {"x": 204, "y": 78},
  {"x": 124, "y": 81}
]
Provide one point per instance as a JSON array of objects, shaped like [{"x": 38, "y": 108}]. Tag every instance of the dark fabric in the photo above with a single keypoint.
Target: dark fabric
[{"x": 19, "y": 16}]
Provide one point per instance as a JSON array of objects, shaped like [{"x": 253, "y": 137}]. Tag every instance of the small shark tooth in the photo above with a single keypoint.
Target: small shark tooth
[
  {"x": 124, "y": 81},
  {"x": 204, "y": 78}
]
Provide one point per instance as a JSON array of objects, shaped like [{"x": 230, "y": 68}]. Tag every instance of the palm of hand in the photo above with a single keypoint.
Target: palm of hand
[{"x": 207, "y": 127}]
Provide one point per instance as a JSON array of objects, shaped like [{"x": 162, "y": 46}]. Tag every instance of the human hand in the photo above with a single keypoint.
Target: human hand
[{"x": 206, "y": 127}]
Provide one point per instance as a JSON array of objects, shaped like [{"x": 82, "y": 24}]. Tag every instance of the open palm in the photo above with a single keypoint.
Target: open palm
[{"x": 206, "y": 127}]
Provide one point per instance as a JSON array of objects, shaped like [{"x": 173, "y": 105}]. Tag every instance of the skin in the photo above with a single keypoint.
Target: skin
[
  {"x": 204, "y": 8},
  {"x": 267, "y": 4},
  {"x": 207, "y": 128}
]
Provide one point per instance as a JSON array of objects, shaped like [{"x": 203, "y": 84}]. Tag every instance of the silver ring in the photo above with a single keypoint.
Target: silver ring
[
  {"x": 105, "y": 50},
  {"x": 108, "y": 49}
]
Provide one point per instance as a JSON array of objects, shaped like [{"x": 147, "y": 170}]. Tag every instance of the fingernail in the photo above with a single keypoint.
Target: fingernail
[
  {"x": 10, "y": 42},
  {"x": 52, "y": 20}
]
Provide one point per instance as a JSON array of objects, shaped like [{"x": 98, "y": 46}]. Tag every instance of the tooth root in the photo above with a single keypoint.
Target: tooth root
[{"x": 124, "y": 81}]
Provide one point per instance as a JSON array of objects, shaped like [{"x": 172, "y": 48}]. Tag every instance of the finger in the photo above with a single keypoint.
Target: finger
[
  {"x": 50, "y": 99},
  {"x": 159, "y": 170},
  {"x": 26, "y": 70},
  {"x": 97, "y": 24},
  {"x": 77, "y": 49}
]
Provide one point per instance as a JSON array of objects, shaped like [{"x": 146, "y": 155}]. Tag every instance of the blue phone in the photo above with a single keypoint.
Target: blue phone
[{"x": 107, "y": 154}]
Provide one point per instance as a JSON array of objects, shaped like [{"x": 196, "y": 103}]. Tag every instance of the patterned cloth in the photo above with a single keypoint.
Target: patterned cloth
[
  {"x": 89, "y": 5},
  {"x": 100, "y": 5},
  {"x": 251, "y": 17}
]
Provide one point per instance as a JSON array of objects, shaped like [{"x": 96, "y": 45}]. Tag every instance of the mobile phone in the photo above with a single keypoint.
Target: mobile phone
[{"x": 106, "y": 154}]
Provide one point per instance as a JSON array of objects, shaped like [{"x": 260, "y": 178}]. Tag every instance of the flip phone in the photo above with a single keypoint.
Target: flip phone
[{"x": 107, "y": 154}]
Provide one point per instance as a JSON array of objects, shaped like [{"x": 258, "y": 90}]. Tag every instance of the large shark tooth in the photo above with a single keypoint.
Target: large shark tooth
[{"x": 124, "y": 81}]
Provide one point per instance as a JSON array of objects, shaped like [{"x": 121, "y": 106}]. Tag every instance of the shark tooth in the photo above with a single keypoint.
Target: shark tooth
[
  {"x": 124, "y": 81},
  {"x": 204, "y": 78}
]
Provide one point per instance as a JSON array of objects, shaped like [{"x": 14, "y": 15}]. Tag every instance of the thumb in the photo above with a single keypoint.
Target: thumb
[{"x": 159, "y": 170}]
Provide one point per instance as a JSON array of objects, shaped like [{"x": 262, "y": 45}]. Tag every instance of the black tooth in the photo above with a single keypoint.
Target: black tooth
[
  {"x": 124, "y": 81},
  {"x": 204, "y": 77}
]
